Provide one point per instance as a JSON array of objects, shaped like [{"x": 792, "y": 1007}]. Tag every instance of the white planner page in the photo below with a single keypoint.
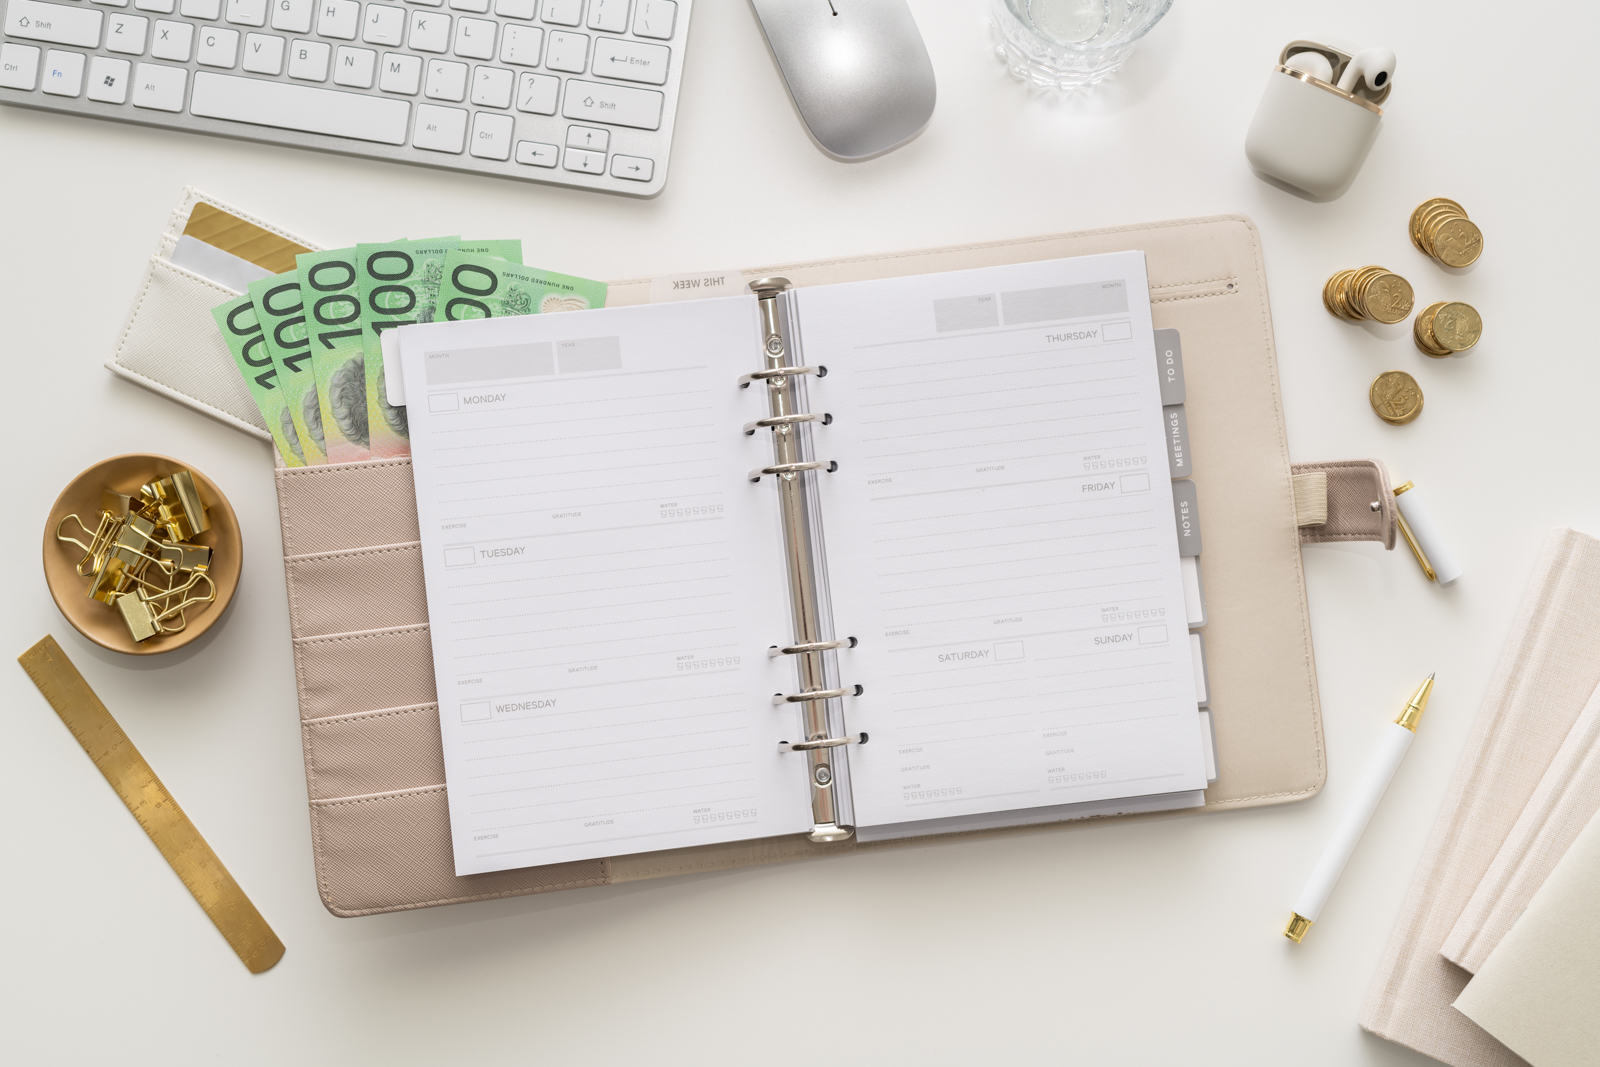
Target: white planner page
[
  {"x": 603, "y": 583},
  {"x": 1001, "y": 539}
]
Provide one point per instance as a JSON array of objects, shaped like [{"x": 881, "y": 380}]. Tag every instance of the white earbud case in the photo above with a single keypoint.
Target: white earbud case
[{"x": 1309, "y": 133}]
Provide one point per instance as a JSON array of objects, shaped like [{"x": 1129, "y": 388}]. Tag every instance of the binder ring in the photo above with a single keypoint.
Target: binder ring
[
  {"x": 790, "y": 468},
  {"x": 779, "y": 372},
  {"x": 779, "y": 699},
  {"x": 796, "y": 650},
  {"x": 826, "y": 742},
  {"x": 784, "y": 420}
]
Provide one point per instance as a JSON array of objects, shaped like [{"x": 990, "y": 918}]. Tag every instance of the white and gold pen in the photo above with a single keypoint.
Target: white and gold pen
[{"x": 1397, "y": 738}]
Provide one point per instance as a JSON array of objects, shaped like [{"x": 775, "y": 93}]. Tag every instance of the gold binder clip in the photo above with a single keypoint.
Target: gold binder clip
[
  {"x": 177, "y": 506},
  {"x": 147, "y": 615},
  {"x": 186, "y": 558},
  {"x": 100, "y": 540}
]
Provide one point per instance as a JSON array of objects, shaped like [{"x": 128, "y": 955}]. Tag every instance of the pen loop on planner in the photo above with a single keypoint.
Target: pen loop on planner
[{"x": 1405, "y": 531}]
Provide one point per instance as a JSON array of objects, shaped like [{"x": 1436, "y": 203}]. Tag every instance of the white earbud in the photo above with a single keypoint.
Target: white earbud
[
  {"x": 1375, "y": 66},
  {"x": 1313, "y": 63}
]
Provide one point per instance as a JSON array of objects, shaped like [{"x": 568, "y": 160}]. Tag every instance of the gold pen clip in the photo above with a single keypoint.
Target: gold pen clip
[{"x": 1405, "y": 531}]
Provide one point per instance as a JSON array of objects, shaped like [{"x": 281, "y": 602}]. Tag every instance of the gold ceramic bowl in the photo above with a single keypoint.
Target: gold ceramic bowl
[{"x": 101, "y": 624}]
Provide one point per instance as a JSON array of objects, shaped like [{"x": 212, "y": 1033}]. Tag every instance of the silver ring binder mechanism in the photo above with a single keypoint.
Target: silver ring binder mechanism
[{"x": 820, "y": 699}]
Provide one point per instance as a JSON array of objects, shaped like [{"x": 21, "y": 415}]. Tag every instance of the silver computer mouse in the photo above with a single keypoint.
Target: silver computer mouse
[{"x": 857, "y": 70}]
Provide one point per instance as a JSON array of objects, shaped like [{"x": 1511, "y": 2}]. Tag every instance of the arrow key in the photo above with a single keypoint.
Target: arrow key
[
  {"x": 633, "y": 168},
  {"x": 589, "y": 137},
  {"x": 585, "y": 162}
]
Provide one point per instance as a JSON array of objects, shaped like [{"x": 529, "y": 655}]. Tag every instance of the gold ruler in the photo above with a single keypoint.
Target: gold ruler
[{"x": 224, "y": 902}]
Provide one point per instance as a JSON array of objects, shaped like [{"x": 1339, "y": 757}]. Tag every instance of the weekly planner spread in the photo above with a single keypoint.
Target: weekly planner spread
[{"x": 994, "y": 547}]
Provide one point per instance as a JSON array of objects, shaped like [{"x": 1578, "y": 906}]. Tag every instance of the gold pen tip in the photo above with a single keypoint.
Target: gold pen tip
[{"x": 1298, "y": 925}]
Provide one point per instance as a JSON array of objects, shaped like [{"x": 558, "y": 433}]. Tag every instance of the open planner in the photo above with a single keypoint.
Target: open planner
[{"x": 886, "y": 557}]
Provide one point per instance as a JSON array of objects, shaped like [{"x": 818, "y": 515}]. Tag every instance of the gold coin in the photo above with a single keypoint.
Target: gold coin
[
  {"x": 1422, "y": 209},
  {"x": 1355, "y": 297},
  {"x": 1388, "y": 298},
  {"x": 1422, "y": 331},
  {"x": 1457, "y": 242},
  {"x": 1341, "y": 296},
  {"x": 1396, "y": 397},
  {"x": 1457, "y": 326},
  {"x": 1327, "y": 294}
]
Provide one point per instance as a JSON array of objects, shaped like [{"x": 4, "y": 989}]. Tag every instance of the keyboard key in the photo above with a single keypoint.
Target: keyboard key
[
  {"x": 655, "y": 19},
  {"x": 126, "y": 34},
  {"x": 338, "y": 18},
  {"x": 536, "y": 94},
  {"x": 300, "y": 107},
  {"x": 588, "y": 137},
  {"x": 516, "y": 9},
  {"x": 308, "y": 61},
  {"x": 401, "y": 73},
  {"x": 568, "y": 52},
  {"x": 292, "y": 16},
  {"x": 200, "y": 9},
  {"x": 492, "y": 87},
  {"x": 429, "y": 32},
  {"x": 446, "y": 81},
  {"x": 218, "y": 47},
  {"x": 108, "y": 80},
  {"x": 110, "y": 3},
  {"x": 160, "y": 7},
  {"x": 53, "y": 23},
  {"x": 475, "y": 38},
  {"x": 491, "y": 136},
  {"x": 535, "y": 154},
  {"x": 631, "y": 61},
  {"x": 384, "y": 25},
  {"x": 614, "y": 104},
  {"x": 608, "y": 16},
  {"x": 63, "y": 73},
  {"x": 427, "y": 3},
  {"x": 247, "y": 12},
  {"x": 161, "y": 88},
  {"x": 563, "y": 12},
  {"x": 633, "y": 168},
  {"x": 520, "y": 45},
  {"x": 173, "y": 40},
  {"x": 440, "y": 129},
  {"x": 585, "y": 162},
  {"x": 477, "y": 7},
  {"x": 354, "y": 67},
  {"x": 19, "y": 66},
  {"x": 263, "y": 53}
]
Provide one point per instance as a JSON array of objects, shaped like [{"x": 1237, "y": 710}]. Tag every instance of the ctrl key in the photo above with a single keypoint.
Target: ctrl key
[{"x": 19, "y": 66}]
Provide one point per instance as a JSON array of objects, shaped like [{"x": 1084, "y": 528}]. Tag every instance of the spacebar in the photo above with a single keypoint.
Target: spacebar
[{"x": 300, "y": 107}]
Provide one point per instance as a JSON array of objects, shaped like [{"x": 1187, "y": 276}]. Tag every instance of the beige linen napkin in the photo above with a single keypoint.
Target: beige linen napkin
[
  {"x": 1547, "y": 671},
  {"x": 1539, "y": 990}
]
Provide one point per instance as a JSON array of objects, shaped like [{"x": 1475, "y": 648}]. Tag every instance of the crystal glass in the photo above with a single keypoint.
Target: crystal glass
[{"x": 1069, "y": 44}]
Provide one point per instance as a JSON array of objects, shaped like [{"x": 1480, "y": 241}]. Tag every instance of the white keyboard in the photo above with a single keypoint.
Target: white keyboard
[{"x": 572, "y": 92}]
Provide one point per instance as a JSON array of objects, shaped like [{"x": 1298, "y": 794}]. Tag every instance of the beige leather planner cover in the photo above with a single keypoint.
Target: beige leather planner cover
[{"x": 374, "y": 768}]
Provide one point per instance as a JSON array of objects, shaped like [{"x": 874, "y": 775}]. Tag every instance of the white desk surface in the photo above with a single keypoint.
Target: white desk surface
[{"x": 1151, "y": 942}]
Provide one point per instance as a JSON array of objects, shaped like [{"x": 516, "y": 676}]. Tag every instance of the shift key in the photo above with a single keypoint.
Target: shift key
[
  {"x": 53, "y": 23},
  {"x": 614, "y": 104}
]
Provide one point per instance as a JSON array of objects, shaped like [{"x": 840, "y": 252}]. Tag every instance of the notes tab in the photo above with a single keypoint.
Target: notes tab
[{"x": 1186, "y": 513}]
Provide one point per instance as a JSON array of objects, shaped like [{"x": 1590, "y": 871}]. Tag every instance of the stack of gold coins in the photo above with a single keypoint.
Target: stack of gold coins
[
  {"x": 1440, "y": 228},
  {"x": 1396, "y": 397},
  {"x": 1447, "y": 327},
  {"x": 1368, "y": 293}
]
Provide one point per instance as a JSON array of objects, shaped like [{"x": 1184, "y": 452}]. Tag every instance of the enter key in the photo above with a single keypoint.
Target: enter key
[{"x": 631, "y": 61}]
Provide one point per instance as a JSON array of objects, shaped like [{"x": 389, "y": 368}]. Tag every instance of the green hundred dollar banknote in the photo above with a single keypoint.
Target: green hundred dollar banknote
[
  {"x": 398, "y": 282},
  {"x": 283, "y": 330},
  {"x": 483, "y": 287},
  {"x": 333, "y": 320},
  {"x": 242, "y": 333}
]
